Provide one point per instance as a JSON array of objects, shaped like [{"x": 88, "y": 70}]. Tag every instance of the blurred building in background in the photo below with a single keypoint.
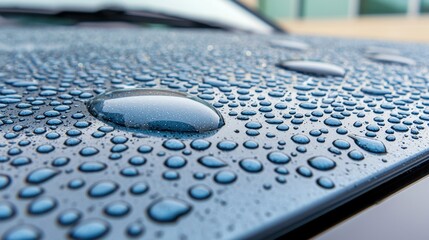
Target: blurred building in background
[
  {"x": 319, "y": 9},
  {"x": 404, "y": 20}
]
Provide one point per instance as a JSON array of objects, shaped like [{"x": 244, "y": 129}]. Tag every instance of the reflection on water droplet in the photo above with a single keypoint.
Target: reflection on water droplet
[
  {"x": 313, "y": 67},
  {"x": 155, "y": 109}
]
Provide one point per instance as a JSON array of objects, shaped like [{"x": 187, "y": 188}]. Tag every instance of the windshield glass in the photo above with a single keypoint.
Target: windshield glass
[{"x": 220, "y": 11}]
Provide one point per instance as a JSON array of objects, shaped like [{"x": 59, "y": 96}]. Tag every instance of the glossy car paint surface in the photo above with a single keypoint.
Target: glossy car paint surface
[{"x": 295, "y": 144}]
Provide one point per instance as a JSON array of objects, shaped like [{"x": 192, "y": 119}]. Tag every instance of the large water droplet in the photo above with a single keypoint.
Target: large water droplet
[
  {"x": 168, "y": 209},
  {"x": 155, "y": 109},
  {"x": 321, "y": 163},
  {"x": 42, "y": 175},
  {"x": 391, "y": 58},
  {"x": 370, "y": 145},
  {"x": 211, "y": 162},
  {"x": 200, "y": 192},
  {"x": 23, "y": 232},
  {"x": 289, "y": 44},
  {"x": 313, "y": 67},
  {"x": 102, "y": 189},
  {"x": 90, "y": 229},
  {"x": 251, "y": 165},
  {"x": 7, "y": 210},
  {"x": 42, "y": 205}
]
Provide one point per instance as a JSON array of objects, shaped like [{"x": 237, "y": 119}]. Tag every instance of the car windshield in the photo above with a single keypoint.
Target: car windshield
[{"x": 222, "y": 12}]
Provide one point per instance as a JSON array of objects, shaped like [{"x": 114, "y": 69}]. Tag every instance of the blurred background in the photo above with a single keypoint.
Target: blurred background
[{"x": 401, "y": 20}]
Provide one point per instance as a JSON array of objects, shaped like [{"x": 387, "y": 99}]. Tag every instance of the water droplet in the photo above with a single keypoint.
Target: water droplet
[
  {"x": 175, "y": 162},
  {"x": 278, "y": 158},
  {"x": 139, "y": 188},
  {"x": 42, "y": 175},
  {"x": 30, "y": 192},
  {"x": 341, "y": 144},
  {"x": 313, "y": 67},
  {"x": 155, "y": 109},
  {"x": 370, "y": 145},
  {"x": 289, "y": 44},
  {"x": 321, "y": 163},
  {"x": 102, "y": 189},
  {"x": 304, "y": 171},
  {"x": 300, "y": 139},
  {"x": 4, "y": 181},
  {"x": 225, "y": 177},
  {"x": 325, "y": 182},
  {"x": 391, "y": 58},
  {"x": 90, "y": 229},
  {"x": 69, "y": 217},
  {"x": 23, "y": 231},
  {"x": 251, "y": 165},
  {"x": 200, "y": 144},
  {"x": 356, "y": 155},
  {"x": 211, "y": 162},
  {"x": 168, "y": 210},
  {"x": 7, "y": 210},
  {"x": 227, "y": 145},
  {"x": 173, "y": 144},
  {"x": 117, "y": 209},
  {"x": 135, "y": 229},
  {"x": 92, "y": 166},
  {"x": 42, "y": 205},
  {"x": 200, "y": 192}
]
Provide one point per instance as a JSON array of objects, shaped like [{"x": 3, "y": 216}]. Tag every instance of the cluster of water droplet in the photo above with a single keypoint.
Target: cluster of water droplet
[{"x": 119, "y": 133}]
